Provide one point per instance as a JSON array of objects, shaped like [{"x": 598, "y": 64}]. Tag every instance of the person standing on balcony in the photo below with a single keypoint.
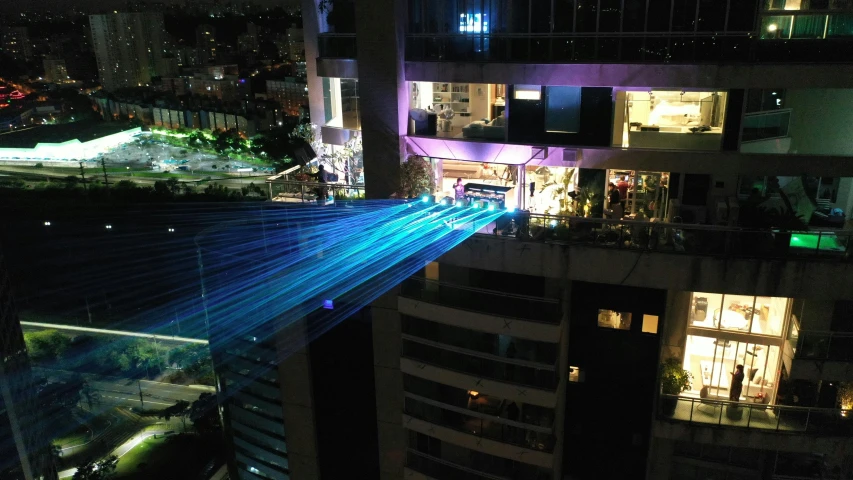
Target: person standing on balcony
[
  {"x": 737, "y": 384},
  {"x": 322, "y": 178},
  {"x": 459, "y": 190}
]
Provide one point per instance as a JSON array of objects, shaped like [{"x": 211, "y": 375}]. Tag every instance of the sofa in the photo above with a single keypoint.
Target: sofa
[{"x": 493, "y": 130}]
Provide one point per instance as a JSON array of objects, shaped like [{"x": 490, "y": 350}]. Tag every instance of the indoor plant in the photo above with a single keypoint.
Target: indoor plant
[{"x": 673, "y": 381}]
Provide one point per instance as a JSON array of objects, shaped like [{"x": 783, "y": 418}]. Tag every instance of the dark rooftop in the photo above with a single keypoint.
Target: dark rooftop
[{"x": 84, "y": 131}]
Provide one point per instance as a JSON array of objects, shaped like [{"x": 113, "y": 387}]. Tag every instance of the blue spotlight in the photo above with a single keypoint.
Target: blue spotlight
[
  {"x": 491, "y": 207},
  {"x": 328, "y": 304},
  {"x": 553, "y": 223},
  {"x": 458, "y": 203},
  {"x": 510, "y": 209},
  {"x": 443, "y": 203},
  {"x": 476, "y": 204},
  {"x": 425, "y": 199}
]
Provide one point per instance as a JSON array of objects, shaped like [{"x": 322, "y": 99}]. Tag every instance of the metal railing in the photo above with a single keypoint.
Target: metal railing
[
  {"x": 766, "y": 125},
  {"x": 837, "y": 346},
  {"x": 680, "y": 238},
  {"x": 502, "y": 304},
  {"x": 337, "y": 45},
  {"x": 481, "y": 425},
  {"x": 296, "y": 191},
  {"x": 730, "y": 47},
  {"x": 756, "y": 416},
  {"x": 676, "y": 48}
]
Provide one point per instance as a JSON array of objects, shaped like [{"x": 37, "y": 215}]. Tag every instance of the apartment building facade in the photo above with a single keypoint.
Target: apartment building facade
[
  {"x": 538, "y": 356},
  {"x": 130, "y": 48}
]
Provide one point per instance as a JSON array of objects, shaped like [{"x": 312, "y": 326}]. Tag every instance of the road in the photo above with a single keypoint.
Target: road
[{"x": 123, "y": 392}]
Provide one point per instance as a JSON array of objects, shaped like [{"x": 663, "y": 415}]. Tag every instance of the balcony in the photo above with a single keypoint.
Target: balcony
[
  {"x": 480, "y": 424},
  {"x": 337, "y": 45},
  {"x": 438, "y": 468},
  {"x": 734, "y": 47},
  {"x": 502, "y": 304},
  {"x": 480, "y": 365},
  {"x": 675, "y": 238},
  {"x": 756, "y": 416}
]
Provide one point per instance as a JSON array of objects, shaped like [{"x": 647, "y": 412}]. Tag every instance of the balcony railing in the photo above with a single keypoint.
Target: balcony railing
[
  {"x": 337, "y": 45},
  {"x": 766, "y": 125},
  {"x": 836, "y": 346},
  {"x": 756, "y": 416},
  {"x": 566, "y": 48},
  {"x": 471, "y": 363},
  {"x": 680, "y": 238},
  {"x": 497, "y": 470},
  {"x": 502, "y": 304},
  {"x": 479, "y": 424},
  {"x": 309, "y": 192}
]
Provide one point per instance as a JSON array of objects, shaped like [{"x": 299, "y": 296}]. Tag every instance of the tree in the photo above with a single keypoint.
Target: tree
[
  {"x": 96, "y": 470},
  {"x": 173, "y": 185},
  {"x": 46, "y": 345},
  {"x": 415, "y": 177},
  {"x": 205, "y": 414}
]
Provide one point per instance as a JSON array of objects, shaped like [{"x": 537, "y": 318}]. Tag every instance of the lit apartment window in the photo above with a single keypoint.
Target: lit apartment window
[{"x": 724, "y": 331}]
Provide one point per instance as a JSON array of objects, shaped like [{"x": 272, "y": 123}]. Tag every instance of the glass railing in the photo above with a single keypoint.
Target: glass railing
[
  {"x": 487, "y": 343},
  {"x": 493, "y": 428},
  {"x": 756, "y": 416},
  {"x": 480, "y": 468},
  {"x": 337, "y": 45},
  {"x": 837, "y": 346},
  {"x": 567, "y": 48},
  {"x": 310, "y": 192},
  {"x": 500, "y": 304},
  {"x": 682, "y": 238},
  {"x": 766, "y": 125},
  {"x": 479, "y": 367}
]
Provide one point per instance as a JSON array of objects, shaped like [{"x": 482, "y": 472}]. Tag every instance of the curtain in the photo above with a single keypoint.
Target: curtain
[{"x": 808, "y": 26}]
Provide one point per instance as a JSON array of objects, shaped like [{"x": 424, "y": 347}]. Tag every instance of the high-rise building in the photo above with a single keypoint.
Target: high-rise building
[
  {"x": 129, "y": 48},
  {"x": 670, "y": 326},
  {"x": 205, "y": 42},
  {"x": 55, "y": 71},
  {"x": 295, "y": 45},
  {"x": 16, "y": 43},
  {"x": 290, "y": 93},
  {"x": 24, "y": 452}
]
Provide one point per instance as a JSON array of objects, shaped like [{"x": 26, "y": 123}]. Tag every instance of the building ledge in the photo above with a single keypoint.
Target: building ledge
[
  {"x": 479, "y": 444},
  {"x": 751, "y": 438}
]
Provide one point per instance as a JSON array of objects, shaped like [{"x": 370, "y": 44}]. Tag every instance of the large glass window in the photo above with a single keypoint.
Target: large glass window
[
  {"x": 340, "y": 99},
  {"x": 671, "y": 119},
  {"x": 739, "y": 313},
  {"x": 473, "y": 111},
  {"x": 726, "y": 330}
]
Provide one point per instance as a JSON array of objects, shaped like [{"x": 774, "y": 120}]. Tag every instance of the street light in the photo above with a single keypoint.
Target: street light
[
  {"x": 171, "y": 230},
  {"x": 46, "y": 224},
  {"x": 109, "y": 227}
]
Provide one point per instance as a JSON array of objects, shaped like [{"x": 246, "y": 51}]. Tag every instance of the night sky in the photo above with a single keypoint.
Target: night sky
[{"x": 33, "y": 5}]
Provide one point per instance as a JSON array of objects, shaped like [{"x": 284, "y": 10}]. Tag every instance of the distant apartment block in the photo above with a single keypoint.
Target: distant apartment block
[
  {"x": 290, "y": 93},
  {"x": 129, "y": 48}
]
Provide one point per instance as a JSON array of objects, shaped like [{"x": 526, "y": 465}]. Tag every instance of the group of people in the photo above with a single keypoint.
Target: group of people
[{"x": 617, "y": 195}]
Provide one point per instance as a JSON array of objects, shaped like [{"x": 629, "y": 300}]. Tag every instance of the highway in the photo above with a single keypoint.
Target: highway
[{"x": 123, "y": 392}]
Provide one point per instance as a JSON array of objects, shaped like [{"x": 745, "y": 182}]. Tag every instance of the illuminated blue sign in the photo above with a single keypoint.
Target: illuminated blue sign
[{"x": 473, "y": 23}]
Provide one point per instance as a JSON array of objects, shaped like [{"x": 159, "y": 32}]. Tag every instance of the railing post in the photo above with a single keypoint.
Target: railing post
[
  {"x": 808, "y": 417},
  {"x": 302, "y": 192},
  {"x": 720, "y": 421},
  {"x": 692, "y": 406},
  {"x": 817, "y": 247},
  {"x": 748, "y": 415}
]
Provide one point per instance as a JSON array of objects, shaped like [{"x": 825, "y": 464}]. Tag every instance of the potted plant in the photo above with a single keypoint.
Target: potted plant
[
  {"x": 673, "y": 381},
  {"x": 415, "y": 177}
]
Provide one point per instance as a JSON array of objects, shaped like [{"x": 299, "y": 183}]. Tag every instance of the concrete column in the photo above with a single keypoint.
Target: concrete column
[
  {"x": 313, "y": 23},
  {"x": 389, "y": 386},
  {"x": 297, "y": 403},
  {"x": 381, "y": 26},
  {"x": 675, "y": 323}
]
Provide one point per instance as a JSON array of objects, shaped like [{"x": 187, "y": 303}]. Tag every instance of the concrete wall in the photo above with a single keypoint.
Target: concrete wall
[
  {"x": 819, "y": 280},
  {"x": 820, "y": 121},
  {"x": 382, "y": 89},
  {"x": 389, "y": 386}
]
